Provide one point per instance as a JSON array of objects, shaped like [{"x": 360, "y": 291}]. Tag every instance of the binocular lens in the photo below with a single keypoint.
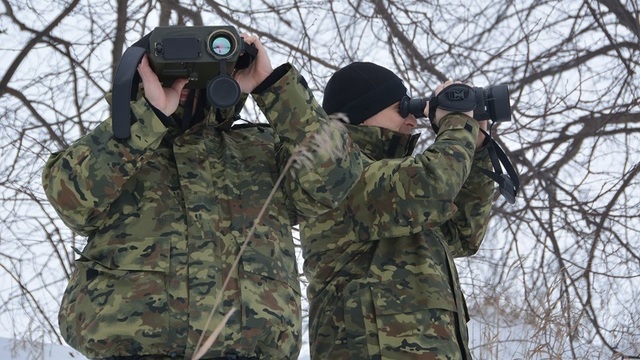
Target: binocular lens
[
  {"x": 414, "y": 106},
  {"x": 221, "y": 45}
]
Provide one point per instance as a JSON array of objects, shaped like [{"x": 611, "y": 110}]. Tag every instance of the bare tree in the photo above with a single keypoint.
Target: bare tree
[{"x": 559, "y": 273}]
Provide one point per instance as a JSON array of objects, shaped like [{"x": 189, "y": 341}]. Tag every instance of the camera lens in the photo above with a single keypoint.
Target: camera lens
[
  {"x": 498, "y": 102},
  {"x": 223, "y": 91},
  {"x": 221, "y": 44}
]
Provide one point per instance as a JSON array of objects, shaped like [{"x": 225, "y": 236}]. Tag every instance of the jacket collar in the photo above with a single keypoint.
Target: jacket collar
[
  {"x": 380, "y": 143},
  {"x": 221, "y": 119}
]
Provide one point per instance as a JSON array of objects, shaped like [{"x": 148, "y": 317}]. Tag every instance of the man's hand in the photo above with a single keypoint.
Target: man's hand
[
  {"x": 258, "y": 71},
  {"x": 163, "y": 99},
  {"x": 484, "y": 125},
  {"x": 440, "y": 113}
]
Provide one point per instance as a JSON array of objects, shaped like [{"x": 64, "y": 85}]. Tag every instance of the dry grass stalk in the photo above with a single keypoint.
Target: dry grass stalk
[
  {"x": 302, "y": 156},
  {"x": 212, "y": 338}
]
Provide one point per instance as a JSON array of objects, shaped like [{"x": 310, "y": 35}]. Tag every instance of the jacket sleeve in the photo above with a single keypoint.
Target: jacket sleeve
[
  {"x": 82, "y": 181},
  {"x": 323, "y": 177},
  {"x": 467, "y": 228},
  {"x": 400, "y": 197}
]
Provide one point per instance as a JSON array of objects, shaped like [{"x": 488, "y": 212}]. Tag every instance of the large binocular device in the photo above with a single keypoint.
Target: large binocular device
[
  {"x": 206, "y": 55},
  {"x": 489, "y": 103}
]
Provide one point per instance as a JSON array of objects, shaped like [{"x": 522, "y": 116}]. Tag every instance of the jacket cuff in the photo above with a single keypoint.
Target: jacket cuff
[
  {"x": 148, "y": 129},
  {"x": 294, "y": 118},
  {"x": 275, "y": 75},
  {"x": 459, "y": 121},
  {"x": 461, "y": 128},
  {"x": 166, "y": 120}
]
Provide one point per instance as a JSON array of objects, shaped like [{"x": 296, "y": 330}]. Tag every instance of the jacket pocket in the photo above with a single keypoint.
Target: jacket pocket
[
  {"x": 116, "y": 301},
  {"x": 409, "y": 295},
  {"x": 413, "y": 318},
  {"x": 271, "y": 254},
  {"x": 270, "y": 292}
]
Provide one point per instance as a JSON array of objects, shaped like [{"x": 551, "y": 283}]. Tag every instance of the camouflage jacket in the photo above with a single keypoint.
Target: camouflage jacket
[
  {"x": 165, "y": 214},
  {"x": 383, "y": 260}
]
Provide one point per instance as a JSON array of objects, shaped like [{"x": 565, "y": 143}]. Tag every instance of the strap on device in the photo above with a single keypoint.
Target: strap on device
[
  {"x": 248, "y": 54},
  {"x": 508, "y": 183},
  {"x": 455, "y": 97},
  {"x": 125, "y": 88}
]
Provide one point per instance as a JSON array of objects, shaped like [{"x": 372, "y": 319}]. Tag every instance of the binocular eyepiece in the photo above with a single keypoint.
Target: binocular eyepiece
[{"x": 489, "y": 103}]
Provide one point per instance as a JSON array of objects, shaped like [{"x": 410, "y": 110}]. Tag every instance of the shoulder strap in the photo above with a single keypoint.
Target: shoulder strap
[
  {"x": 125, "y": 88},
  {"x": 508, "y": 183}
]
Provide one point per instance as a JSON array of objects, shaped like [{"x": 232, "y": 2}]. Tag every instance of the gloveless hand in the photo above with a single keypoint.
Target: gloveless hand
[
  {"x": 440, "y": 113},
  {"x": 163, "y": 99},
  {"x": 258, "y": 71}
]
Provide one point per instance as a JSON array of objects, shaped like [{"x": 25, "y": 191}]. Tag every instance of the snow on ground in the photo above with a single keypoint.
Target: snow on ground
[{"x": 11, "y": 349}]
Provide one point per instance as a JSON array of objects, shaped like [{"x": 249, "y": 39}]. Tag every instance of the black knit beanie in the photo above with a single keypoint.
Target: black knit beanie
[{"x": 361, "y": 90}]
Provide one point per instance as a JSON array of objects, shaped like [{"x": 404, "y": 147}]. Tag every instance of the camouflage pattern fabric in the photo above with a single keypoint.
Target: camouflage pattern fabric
[
  {"x": 382, "y": 280},
  {"x": 165, "y": 214}
]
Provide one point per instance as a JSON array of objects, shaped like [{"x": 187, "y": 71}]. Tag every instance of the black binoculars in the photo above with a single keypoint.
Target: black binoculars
[{"x": 489, "y": 103}]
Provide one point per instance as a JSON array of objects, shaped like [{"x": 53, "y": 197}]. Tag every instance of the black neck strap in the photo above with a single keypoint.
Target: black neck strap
[
  {"x": 125, "y": 88},
  {"x": 508, "y": 183}
]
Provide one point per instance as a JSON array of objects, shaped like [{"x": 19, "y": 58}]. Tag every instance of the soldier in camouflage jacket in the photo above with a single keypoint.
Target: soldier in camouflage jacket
[
  {"x": 166, "y": 211},
  {"x": 382, "y": 279}
]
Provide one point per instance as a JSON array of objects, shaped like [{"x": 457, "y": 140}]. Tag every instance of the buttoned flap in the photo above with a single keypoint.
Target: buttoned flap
[
  {"x": 148, "y": 254},
  {"x": 258, "y": 165},
  {"x": 251, "y": 151},
  {"x": 410, "y": 295},
  {"x": 275, "y": 264}
]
